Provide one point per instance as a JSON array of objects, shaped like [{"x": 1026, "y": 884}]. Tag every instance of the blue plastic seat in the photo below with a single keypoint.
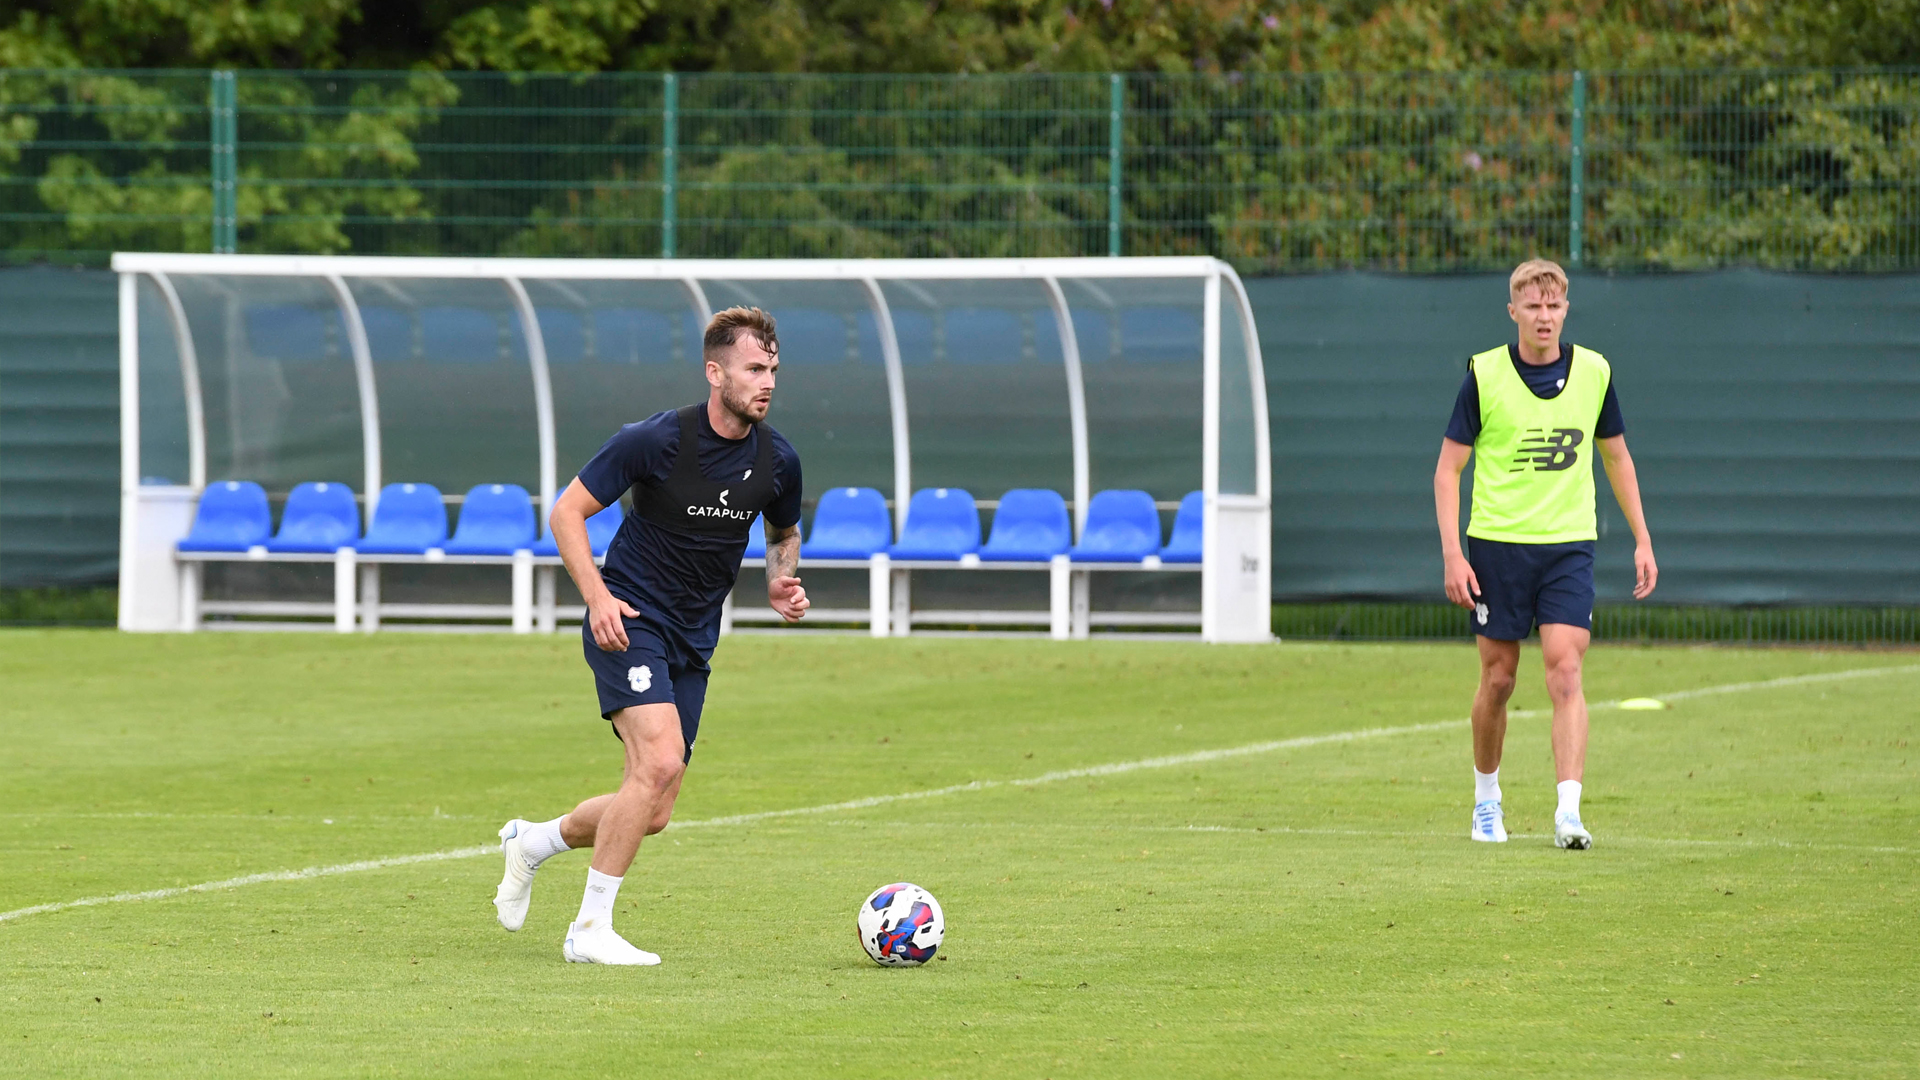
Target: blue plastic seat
[
  {"x": 942, "y": 524},
  {"x": 1122, "y": 526},
  {"x": 601, "y": 528},
  {"x": 320, "y": 518},
  {"x": 495, "y": 519},
  {"x": 409, "y": 519},
  {"x": 1030, "y": 526},
  {"x": 849, "y": 523},
  {"x": 232, "y": 516},
  {"x": 756, "y": 539},
  {"x": 1184, "y": 545}
]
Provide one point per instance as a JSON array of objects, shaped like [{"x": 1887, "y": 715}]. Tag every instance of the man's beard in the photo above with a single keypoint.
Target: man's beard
[{"x": 740, "y": 405}]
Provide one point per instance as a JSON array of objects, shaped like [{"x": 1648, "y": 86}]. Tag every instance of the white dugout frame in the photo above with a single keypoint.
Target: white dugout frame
[{"x": 159, "y": 592}]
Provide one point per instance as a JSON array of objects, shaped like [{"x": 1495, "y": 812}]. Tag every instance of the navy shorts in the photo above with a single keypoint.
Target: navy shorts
[
  {"x": 1524, "y": 585},
  {"x": 658, "y": 667}
]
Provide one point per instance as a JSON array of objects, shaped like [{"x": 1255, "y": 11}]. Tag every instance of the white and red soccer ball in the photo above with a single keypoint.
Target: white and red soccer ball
[{"x": 901, "y": 925}]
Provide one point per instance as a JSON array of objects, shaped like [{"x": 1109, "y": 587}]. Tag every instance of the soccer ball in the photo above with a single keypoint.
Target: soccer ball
[{"x": 901, "y": 925}]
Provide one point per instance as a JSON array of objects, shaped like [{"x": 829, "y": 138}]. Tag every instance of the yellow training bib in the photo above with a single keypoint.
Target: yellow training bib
[{"x": 1532, "y": 469}]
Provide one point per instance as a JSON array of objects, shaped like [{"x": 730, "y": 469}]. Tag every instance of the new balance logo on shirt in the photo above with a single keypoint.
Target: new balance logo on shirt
[{"x": 1548, "y": 450}]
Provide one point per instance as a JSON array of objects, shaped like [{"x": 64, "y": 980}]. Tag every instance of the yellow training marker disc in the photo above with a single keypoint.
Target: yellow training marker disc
[{"x": 1638, "y": 703}]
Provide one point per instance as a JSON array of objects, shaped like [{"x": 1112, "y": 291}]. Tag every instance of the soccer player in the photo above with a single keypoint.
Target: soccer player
[
  {"x": 1532, "y": 414},
  {"x": 698, "y": 477}
]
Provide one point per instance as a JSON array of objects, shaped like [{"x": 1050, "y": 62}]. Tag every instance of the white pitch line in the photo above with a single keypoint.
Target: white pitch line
[
  {"x": 255, "y": 879},
  {"x": 1396, "y": 834},
  {"x": 765, "y": 815},
  {"x": 282, "y": 819},
  {"x": 1790, "y": 680},
  {"x": 1110, "y": 769}
]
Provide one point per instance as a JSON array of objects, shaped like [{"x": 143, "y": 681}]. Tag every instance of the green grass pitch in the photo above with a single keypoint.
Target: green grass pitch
[{"x": 1748, "y": 910}]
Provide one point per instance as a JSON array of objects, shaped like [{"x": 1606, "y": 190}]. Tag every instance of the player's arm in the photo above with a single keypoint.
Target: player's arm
[
  {"x": 568, "y": 524},
  {"x": 1461, "y": 585},
  {"x": 1626, "y": 489},
  {"x": 784, "y": 593}
]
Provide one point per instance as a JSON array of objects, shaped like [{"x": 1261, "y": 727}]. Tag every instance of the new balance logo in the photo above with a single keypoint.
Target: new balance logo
[{"x": 1548, "y": 450}]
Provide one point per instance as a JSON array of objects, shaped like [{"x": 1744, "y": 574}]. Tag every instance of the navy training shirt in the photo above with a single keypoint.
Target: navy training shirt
[
  {"x": 681, "y": 578},
  {"x": 1546, "y": 382}
]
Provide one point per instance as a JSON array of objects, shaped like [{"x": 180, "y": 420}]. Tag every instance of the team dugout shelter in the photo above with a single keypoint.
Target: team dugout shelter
[{"x": 365, "y": 443}]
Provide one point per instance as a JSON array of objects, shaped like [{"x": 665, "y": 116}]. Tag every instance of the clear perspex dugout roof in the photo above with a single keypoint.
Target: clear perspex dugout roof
[{"x": 1078, "y": 374}]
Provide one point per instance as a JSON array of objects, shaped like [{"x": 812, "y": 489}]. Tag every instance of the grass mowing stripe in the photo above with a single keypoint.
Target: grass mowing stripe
[
  {"x": 1093, "y": 770},
  {"x": 1110, "y": 769}
]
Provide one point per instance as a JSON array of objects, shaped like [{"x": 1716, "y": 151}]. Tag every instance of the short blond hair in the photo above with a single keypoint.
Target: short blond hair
[
  {"x": 1545, "y": 274},
  {"x": 727, "y": 326}
]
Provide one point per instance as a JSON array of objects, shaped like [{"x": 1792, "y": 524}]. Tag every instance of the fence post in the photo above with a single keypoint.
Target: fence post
[
  {"x": 223, "y": 134},
  {"x": 669, "y": 147},
  {"x": 1117, "y": 101},
  {"x": 1576, "y": 172}
]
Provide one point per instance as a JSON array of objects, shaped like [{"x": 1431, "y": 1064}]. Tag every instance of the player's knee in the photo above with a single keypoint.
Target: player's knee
[
  {"x": 1563, "y": 676},
  {"x": 655, "y": 770},
  {"x": 1498, "y": 681}
]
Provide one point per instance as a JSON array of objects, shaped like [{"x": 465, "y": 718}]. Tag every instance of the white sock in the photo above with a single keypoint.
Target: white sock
[
  {"x": 542, "y": 841},
  {"x": 1486, "y": 786},
  {"x": 1569, "y": 797},
  {"x": 596, "y": 906}
]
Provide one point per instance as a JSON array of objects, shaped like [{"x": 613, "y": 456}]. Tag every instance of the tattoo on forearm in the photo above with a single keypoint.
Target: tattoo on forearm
[{"x": 783, "y": 553}]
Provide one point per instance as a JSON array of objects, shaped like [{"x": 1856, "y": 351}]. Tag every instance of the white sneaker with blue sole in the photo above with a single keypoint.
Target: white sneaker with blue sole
[
  {"x": 516, "y": 885},
  {"x": 600, "y": 945},
  {"x": 1570, "y": 834},
  {"x": 1489, "y": 824}
]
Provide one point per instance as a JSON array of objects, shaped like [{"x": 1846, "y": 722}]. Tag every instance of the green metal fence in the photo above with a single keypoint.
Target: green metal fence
[
  {"x": 1616, "y": 623},
  {"x": 1866, "y": 627},
  {"x": 1419, "y": 172}
]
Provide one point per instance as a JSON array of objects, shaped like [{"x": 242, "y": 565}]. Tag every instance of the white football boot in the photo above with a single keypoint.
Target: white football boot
[
  {"x": 1489, "y": 824},
  {"x": 516, "y": 885},
  {"x": 600, "y": 945},
  {"x": 1570, "y": 834}
]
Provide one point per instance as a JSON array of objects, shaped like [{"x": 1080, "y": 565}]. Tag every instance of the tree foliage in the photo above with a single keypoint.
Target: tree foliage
[
  {"x": 1283, "y": 134},
  {"x": 952, "y": 36}
]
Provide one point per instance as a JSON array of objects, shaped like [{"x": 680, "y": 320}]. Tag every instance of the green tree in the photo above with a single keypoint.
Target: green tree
[
  {"x": 174, "y": 33},
  {"x": 952, "y": 36},
  {"x": 1285, "y": 134}
]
